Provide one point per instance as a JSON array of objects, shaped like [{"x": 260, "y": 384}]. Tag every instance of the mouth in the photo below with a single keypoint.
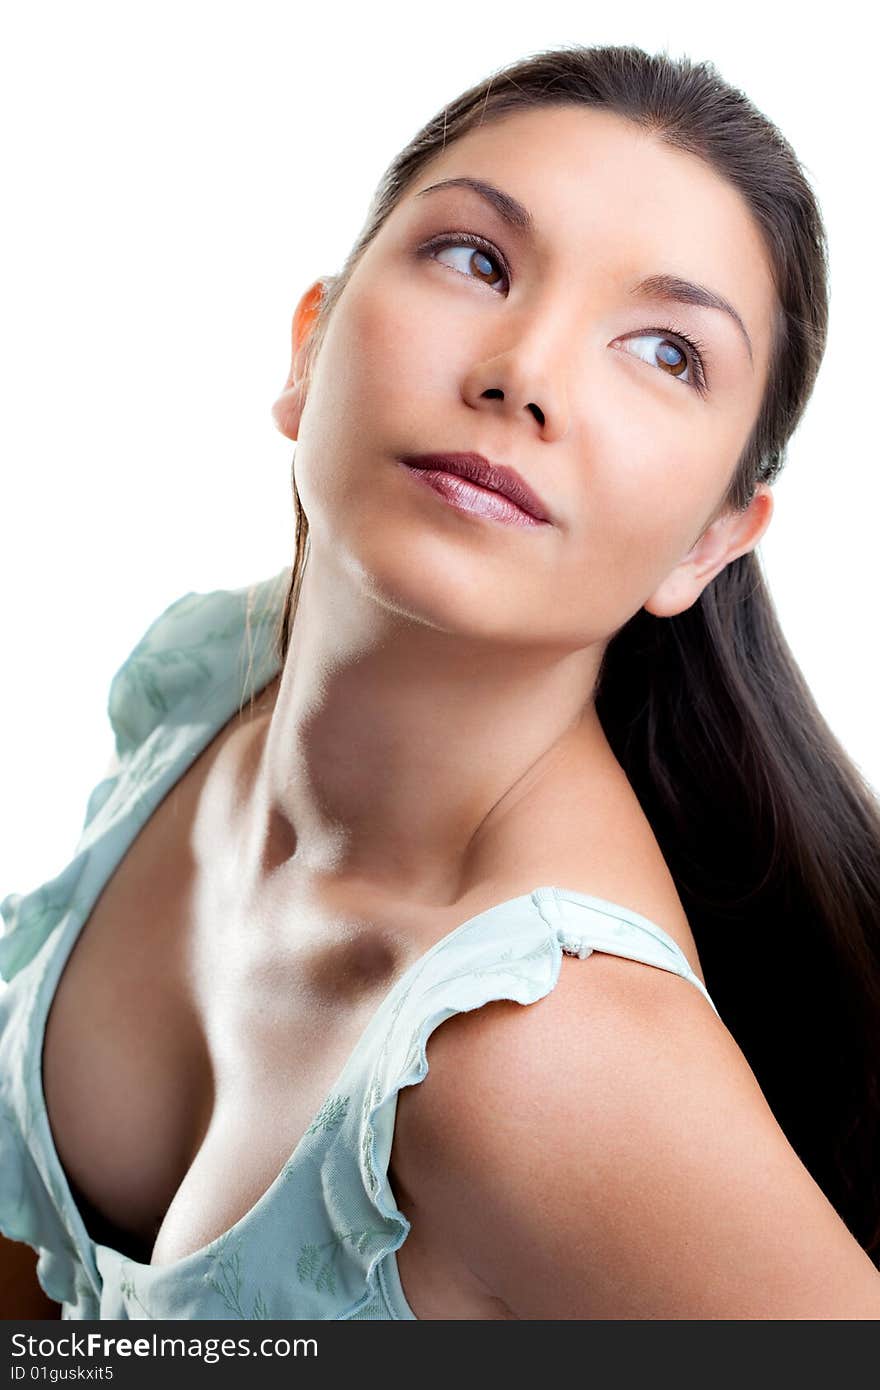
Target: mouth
[{"x": 474, "y": 484}]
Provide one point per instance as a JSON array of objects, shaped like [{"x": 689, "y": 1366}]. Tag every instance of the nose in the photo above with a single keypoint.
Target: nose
[{"x": 517, "y": 380}]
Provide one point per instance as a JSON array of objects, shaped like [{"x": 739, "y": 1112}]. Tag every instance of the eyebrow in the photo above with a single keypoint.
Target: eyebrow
[
  {"x": 677, "y": 291},
  {"x": 512, "y": 211},
  {"x": 671, "y": 288}
]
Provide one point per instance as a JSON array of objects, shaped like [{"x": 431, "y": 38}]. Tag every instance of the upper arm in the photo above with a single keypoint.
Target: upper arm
[
  {"x": 21, "y": 1295},
  {"x": 607, "y": 1153}
]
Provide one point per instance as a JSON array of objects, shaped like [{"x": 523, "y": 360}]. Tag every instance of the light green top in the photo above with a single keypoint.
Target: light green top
[{"x": 321, "y": 1241}]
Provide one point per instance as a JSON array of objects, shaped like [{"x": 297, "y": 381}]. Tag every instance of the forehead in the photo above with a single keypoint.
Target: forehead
[{"x": 615, "y": 197}]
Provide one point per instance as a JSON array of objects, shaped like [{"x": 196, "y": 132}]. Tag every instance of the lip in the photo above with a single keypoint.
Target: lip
[{"x": 494, "y": 476}]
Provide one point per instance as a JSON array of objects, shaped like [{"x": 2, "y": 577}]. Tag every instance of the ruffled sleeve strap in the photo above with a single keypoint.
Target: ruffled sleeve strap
[
  {"x": 30, "y": 919},
  {"x": 205, "y": 655},
  {"x": 28, "y": 1214},
  {"x": 506, "y": 953},
  {"x": 199, "y": 640},
  {"x": 584, "y": 924},
  {"x": 512, "y": 952},
  {"x": 31, "y": 1204}
]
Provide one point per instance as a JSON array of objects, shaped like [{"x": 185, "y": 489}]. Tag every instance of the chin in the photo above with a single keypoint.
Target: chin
[{"x": 419, "y": 578}]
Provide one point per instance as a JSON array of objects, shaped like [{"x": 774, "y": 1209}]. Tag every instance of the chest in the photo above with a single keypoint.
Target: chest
[
  {"x": 188, "y": 1048},
  {"x": 180, "y": 1070},
  {"x": 192, "y": 1039}
]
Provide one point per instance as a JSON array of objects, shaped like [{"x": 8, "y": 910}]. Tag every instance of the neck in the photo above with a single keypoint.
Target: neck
[{"x": 395, "y": 751}]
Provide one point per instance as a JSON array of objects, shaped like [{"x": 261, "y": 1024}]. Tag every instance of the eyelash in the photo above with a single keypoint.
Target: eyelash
[{"x": 694, "y": 348}]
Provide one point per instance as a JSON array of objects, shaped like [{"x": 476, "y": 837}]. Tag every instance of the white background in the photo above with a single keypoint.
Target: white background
[{"x": 174, "y": 175}]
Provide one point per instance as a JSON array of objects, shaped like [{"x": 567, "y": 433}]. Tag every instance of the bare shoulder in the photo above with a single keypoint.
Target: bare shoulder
[{"x": 606, "y": 1152}]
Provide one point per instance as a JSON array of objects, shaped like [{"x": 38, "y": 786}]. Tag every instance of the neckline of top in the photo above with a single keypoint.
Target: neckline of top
[
  {"x": 537, "y": 898},
  {"x": 215, "y": 712}
]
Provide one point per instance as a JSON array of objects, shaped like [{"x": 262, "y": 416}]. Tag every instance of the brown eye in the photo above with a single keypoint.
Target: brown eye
[
  {"x": 672, "y": 357},
  {"x": 471, "y": 260}
]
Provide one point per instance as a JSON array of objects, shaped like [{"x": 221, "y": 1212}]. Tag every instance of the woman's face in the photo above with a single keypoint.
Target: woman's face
[{"x": 534, "y": 351}]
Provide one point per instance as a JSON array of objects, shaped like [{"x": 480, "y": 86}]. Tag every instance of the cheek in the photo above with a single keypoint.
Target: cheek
[
  {"x": 387, "y": 342},
  {"x": 378, "y": 370},
  {"x": 645, "y": 495},
  {"x": 654, "y": 471},
  {"x": 637, "y": 473}
]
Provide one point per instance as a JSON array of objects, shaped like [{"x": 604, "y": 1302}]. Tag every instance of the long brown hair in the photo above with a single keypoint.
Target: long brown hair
[{"x": 768, "y": 828}]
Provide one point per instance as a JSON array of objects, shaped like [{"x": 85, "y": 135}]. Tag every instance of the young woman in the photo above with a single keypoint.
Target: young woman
[{"x": 531, "y": 736}]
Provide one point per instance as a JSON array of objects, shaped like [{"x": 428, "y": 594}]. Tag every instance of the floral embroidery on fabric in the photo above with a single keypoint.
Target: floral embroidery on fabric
[
  {"x": 314, "y": 1268},
  {"x": 330, "y": 1116},
  {"x": 227, "y": 1280},
  {"x": 129, "y": 1291},
  {"x": 369, "y": 1312}
]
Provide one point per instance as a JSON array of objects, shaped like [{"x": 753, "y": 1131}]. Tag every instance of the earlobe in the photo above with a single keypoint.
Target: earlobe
[
  {"x": 731, "y": 535},
  {"x": 288, "y": 408}
]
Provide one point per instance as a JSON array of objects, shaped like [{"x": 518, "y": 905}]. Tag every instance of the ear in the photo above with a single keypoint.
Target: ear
[
  {"x": 287, "y": 410},
  {"x": 732, "y": 534}
]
